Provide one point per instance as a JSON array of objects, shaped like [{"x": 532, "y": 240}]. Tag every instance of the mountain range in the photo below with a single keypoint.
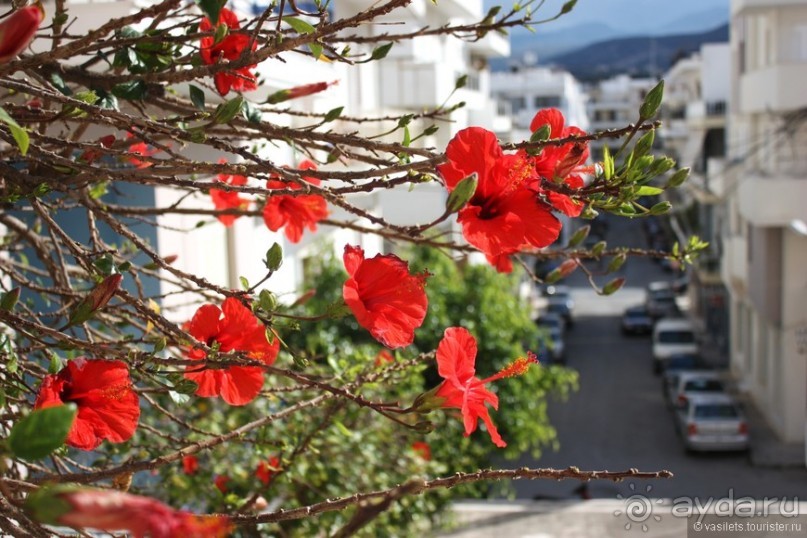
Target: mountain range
[{"x": 603, "y": 37}]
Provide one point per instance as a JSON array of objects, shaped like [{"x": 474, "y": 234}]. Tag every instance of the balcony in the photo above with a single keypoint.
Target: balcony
[
  {"x": 778, "y": 88},
  {"x": 772, "y": 201},
  {"x": 408, "y": 85}
]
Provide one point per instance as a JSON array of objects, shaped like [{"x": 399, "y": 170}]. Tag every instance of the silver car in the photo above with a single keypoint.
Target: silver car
[
  {"x": 712, "y": 422},
  {"x": 683, "y": 384}
]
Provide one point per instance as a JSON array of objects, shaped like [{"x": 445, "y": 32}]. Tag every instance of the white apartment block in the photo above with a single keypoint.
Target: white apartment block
[
  {"x": 523, "y": 91},
  {"x": 613, "y": 104},
  {"x": 765, "y": 228}
]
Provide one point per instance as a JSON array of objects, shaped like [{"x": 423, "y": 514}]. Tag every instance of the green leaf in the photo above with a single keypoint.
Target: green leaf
[
  {"x": 461, "y": 82},
  {"x": 678, "y": 178},
  {"x": 20, "y": 135},
  {"x": 59, "y": 84},
  {"x": 244, "y": 282},
  {"x": 613, "y": 286},
  {"x": 661, "y": 208},
  {"x": 197, "y": 97},
  {"x": 252, "y": 113},
  {"x": 221, "y": 32},
  {"x": 648, "y": 191},
  {"x": 299, "y": 25},
  {"x": 225, "y": 112},
  {"x": 333, "y": 114},
  {"x": 211, "y": 8},
  {"x": 567, "y": 7},
  {"x": 652, "y": 101},
  {"x": 643, "y": 145},
  {"x": 9, "y": 299},
  {"x": 266, "y": 300},
  {"x": 41, "y": 432},
  {"x": 381, "y": 51},
  {"x": 316, "y": 49},
  {"x": 579, "y": 236},
  {"x": 274, "y": 257},
  {"x": 131, "y": 91},
  {"x": 462, "y": 193},
  {"x": 98, "y": 189},
  {"x": 407, "y": 139}
]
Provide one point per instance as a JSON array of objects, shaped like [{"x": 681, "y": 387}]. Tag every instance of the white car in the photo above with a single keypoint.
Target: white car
[
  {"x": 672, "y": 336},
  {"x": 712, "y": 422}
]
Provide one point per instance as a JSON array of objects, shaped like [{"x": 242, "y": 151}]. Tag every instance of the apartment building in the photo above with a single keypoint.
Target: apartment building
[
  {"x": 765, "y": 227},
  {"x": 524, "y": 90},
  {"x": 693, "y": 132},
  {"x": 613, "y": 104}
]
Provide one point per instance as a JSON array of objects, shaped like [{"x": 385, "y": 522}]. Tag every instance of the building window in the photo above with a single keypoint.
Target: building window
[
  {"x": 517, "y": 104},
  {"x": 546, "y": 101}
]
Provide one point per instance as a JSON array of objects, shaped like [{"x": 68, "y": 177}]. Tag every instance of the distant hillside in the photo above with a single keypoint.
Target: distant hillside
[{"x": 634, "y": 55}]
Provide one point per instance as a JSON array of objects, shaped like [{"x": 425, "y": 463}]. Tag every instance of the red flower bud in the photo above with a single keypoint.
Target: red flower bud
[
  {"x": 18, "y": 30},
  {"x": 97, "y": 299},
  {"x": 299, "y": 91}
]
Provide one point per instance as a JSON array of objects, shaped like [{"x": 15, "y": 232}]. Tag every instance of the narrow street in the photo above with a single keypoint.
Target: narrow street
[{"x": 618, "y": 419}]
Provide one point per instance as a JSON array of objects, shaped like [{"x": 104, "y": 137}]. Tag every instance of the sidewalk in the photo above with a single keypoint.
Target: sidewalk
[{"x": 766, "y": 448}]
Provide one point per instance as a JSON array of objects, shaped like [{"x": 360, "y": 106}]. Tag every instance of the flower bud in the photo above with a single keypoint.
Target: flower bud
[
  {"x": 18, "y": 30},
  {"x": 298, "y": 91}
]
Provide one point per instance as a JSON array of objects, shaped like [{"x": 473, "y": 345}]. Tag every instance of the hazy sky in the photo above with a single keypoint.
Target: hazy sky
[{"x": 632, "y": 16}]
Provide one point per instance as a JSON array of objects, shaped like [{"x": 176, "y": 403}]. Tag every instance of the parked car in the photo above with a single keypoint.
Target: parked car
[
  {"x": 637, "y": 320},
  {"x": 551, "y": 347},
  {"x": 560, "y": 302},
  {"x": 551, "y": 321},
  {"x": 672, "y": 336},
  {"x": 712, "y": 422},
  {"x": 661, "y": 302},
  {"x": 683, "y": 384},
  {"x": 671, "y": 367}
]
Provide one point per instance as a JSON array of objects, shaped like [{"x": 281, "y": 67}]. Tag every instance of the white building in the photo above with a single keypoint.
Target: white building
[
  {"x": 696, "y": 93},
  {"x": 525, "y": 91},
  {"x": 614, "y": 103},
  {"x": 765, "y": 231}
]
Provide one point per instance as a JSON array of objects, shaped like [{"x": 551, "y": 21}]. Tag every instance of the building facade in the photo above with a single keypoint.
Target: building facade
[{"x": 765, "y": 227}]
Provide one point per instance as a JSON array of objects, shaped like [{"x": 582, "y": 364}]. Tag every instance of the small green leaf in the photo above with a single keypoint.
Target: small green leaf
[
  {"x": 407, "y": 139},
  {"x": 678, "y": 178},
  {"x": 99, "y": 189},
  {"x": 299, "y": 25},
  {"x": 462, "y": 193},
  {"x": 132, "y": 91},
  {"x": 333, "y": 114},
  {"x": 9, "y": 299},
  {"x": 652, "y": 101},
  {"x": 643, "y": 145},
  {"x": 274, "y": 257},
  {"x": 613, "y": 286},
  {"x": 579, "y": 236},
  {"x": 252, "y": 113},
  {"x": 617, "y": 262},
  {"x": 461, "y": 82},
  {"x": 661, "y": 208},
  {"x": 316, "y": 49},
  {"x": 648, "y": 191},
  {"x": 266, "y": 300},
  {"x": 221, "y": 32},
  {"x": 197, "y": 97},
  {"x": 20, "y": 135},
  {"x": 598, "y": 248},
  {"x": 41, "y": 432},
  {"x": 159, "y": 345},
  {"x": 567, "y": 7},
  {"x": 211, "y": 8},
  {"x": 244, "y": 282},
  {"x": 225, "y": 112},
  {"x": 381, "y": 51}
]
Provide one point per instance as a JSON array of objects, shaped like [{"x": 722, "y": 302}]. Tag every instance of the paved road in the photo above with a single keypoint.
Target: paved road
[{"x": 618, "y": 420}]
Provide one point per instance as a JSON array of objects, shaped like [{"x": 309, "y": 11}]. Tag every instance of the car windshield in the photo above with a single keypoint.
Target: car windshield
[
  {"x": 676, "y": 337},
  {"x": 683, "y": 362},
  {"x": 715, "y": 411},
  {"x": 703, "y": 385}
]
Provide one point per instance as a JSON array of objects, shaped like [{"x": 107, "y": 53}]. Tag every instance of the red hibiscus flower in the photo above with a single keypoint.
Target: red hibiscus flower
[
  {"x": 229, "y": 199},
  {"x": 559, "y": 162},
  {"x": 505, "y": 214},
  {"x": 220, "y": 481},
  {"x": 228, "y": 49},
  {"x": 456, "y": 358},
  {"x": 18, "y": 30},
  {"x": 235, "y": 328},
  {"x": 294, "y": 212},
  {"x": 110, "y": 511},
  {"x": 267, "y": 469},
  {"x": 385, "y": 297},
  {"x": 423, "y": 450},
  {"x": 190, "y": 464},
  {"x": 108, "y": 408},
  {"x": 142, "y": 149}
]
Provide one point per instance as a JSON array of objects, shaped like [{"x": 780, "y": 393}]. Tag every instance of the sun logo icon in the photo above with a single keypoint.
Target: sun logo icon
[{"x": 638, "y": 508}]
